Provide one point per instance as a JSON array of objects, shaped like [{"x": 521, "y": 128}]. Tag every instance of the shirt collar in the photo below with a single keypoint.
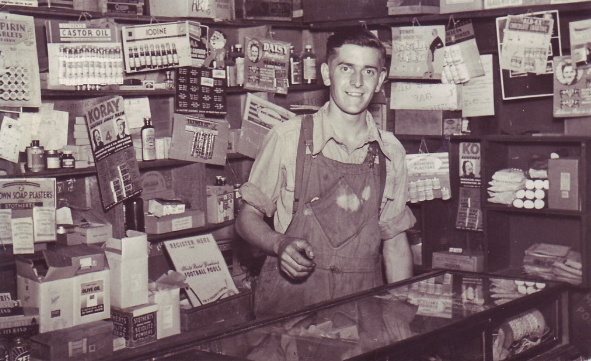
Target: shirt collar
[{"x": 326, "y": 133}]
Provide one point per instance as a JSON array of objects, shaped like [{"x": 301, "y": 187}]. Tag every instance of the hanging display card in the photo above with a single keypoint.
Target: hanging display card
[
  {"x": 461, "y": 48},
  {"x": 200, "y": 260},
  {"x": 266, "y": 64},
  {"x": 580, "y": 42},
  {"x": 117, "y": 168},
  {"x": 259, "y": 117},
  {"x": 31, "y": 198},
  {"x": 156, "y": 46},
  {"x": 19, "y": 66},
  {"x": 525, "y": 43},
  {"x": 572, "y": 94},
  {"x": 469, "y": 214},
  {"x": 417, "y": 52},
  {"x": 83, "y": 53},
  {"x": 478, "y": 97},
  {"x": 428, "y": 176},
  {"x": 198, "y": 38},
  {"x": 469, "y": 160},
  {"x": 10, "y": 139},
  {"x": 523, "y": 84},
  {"x": 422, "y": 96},
  {"x": 200, "y": 90}
]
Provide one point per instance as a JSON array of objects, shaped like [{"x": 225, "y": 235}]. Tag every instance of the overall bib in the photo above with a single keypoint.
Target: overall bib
[{"x": 338, "y": 215}]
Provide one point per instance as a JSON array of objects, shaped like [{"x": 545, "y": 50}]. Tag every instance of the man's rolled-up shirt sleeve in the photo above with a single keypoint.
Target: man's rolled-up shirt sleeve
[{"x": 264, "y": 183}]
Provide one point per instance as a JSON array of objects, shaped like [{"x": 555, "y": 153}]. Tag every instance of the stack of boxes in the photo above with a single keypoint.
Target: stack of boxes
[{"x": 81, "y": 150}]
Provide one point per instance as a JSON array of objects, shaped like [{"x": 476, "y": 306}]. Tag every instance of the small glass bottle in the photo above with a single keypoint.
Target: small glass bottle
[
  {"x": 309, "y": 65},
  {"x": 169, "y": 81},
  {"x": 35, "y": 157},
  {"x": 68, "y": 160},
  {"x": 148, "y": 140},
  {"x": 295, "y": 67},
  {"x": 52, "y": 160},
  {"x": 230, "y": 68},
  {"x": 239, "y": 60},
  {"x": 133, "y": 211}
]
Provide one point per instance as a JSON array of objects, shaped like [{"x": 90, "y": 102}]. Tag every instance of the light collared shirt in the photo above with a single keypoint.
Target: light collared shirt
[{"x": 271, "y": 184}]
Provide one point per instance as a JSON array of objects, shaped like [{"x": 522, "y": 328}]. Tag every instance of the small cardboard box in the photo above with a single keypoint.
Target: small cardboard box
[
  {"x": 402, "y": 7},
  {"x": 315, "y": 10},
  {"x": 563, "y": 176},
  {"x": 92, "y": 297},
  {"x": 191, "y": 218},
  {"x": 496, "y": 4},
  {"x": 128, "y": 261},
  {"x": 87, "y": 342},
  {"x": 458, "y": 6},
  {"x": 465, "y": 261},
  {"x": 211, "y": 9},
  {"x": 90, "y": 227},
  {"x": 51, "y": 293},
  {"x": 138, "y": 324},
  {"x": 220, "y": 203},
  {"x": 167, "y": 298},
  {"x": 84, "y": 258},
  {"x": 218, "y": 315},
  {"x": 422, "y": 122}
]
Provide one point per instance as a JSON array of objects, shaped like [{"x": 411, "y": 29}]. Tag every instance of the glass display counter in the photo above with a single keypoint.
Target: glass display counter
[{"x": 442, "y": 315}]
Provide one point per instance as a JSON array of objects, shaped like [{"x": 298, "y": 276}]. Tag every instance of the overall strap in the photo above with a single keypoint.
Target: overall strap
[
  {"x": 305, "y": 140},
  {"x": 374, "y": 150}
]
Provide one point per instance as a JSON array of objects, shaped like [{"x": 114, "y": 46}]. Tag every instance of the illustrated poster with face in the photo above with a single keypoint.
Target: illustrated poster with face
[
  {"x": 572, "y": 97},
  {"x": 266, "y": 64}
]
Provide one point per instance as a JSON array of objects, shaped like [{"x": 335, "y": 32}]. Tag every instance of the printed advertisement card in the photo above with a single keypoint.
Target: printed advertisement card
[
  {"x": 19, "y": 67},
  {"x": 156, "y": 46},
  {"x": 266, "y": 65},
  {"x": 523, "y": 84},
  {"x": 417, "y": 52},
  {"x": 259, "y": 116},
  {"x": 200, "y": 260},
  {"x": 580, "y": 42},
  {"x": 422, "y": 96},
  {"x": 460, "y": 44},
  {"x": 117, "y": 168},
  {"x": 572, "y": 94},
  {"x": 200, "y": 90}
]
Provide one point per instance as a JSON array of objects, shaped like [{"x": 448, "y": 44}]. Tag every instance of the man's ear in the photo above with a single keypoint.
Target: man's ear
[
  {"x": 325, "y": 72},
  {"x": 383, "y": 75}
]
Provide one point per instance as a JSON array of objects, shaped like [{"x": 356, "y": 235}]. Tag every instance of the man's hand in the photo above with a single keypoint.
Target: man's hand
[{"x": 296, "y": 257}]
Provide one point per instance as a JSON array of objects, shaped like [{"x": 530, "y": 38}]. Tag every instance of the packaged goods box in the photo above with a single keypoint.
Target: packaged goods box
[
  {"x": 465, "y": 261},
  {"x": 563, "y": 178},
  {"x": 458, "y": 6},
  {"x": 191, "y": 218},
  {"x": 128, "y": 262},
  {"x": 167, "y": 298},
  {"x": 88, "y": 342},
  {"x": 138, "y": 324},
  {"x": 220, "y": 203}
]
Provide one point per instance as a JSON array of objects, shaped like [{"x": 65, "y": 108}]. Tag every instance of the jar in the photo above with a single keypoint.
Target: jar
[
  {"x": 68, "y": 160},
  {"x": 52, "y": 159},
  {"x": 35, "y": 155}
]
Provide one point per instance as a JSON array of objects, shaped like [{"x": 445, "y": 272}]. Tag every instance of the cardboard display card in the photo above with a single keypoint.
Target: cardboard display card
[
  {"x": 572, "y": 95},
  {"x": 200, "y": 90},
  {"x": 266, "y": 64},
  {"x": 259, "y": 116},
  {"x": 19, "y": 67},
  {"x": 116, "y": 165},
  {"x": 422, "y": 96},
  {"x": 417, "y": 52},
  {"x": 200, "y": 260},
  {"x": 580, "y": 42}
]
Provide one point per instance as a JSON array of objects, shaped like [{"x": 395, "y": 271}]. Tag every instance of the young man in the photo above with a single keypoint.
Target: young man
[{"x": 329, "y": 244}]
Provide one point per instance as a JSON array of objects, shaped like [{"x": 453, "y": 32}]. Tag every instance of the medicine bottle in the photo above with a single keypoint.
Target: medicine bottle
[
  {"x": 309, "y": 65},
  {"x": 35, "y": 157},
  {"x": 239, "y": 60},
  {"x": 19, "y": 350},
  {"x": 133, "y": 211},
  {"x": 295, "y": 67},
  {"x": 68, "y": 160},
  {"x": 52, "y": 159},
  {"x": 148, "y": 140}
]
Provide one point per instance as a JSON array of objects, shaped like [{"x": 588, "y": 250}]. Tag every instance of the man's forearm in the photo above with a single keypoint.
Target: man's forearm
[
  {"x": 397, "y": 258},
  {"x": 251, "y": 226}
]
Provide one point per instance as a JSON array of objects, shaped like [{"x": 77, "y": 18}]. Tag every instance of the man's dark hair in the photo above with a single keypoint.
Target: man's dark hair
[{"x": 354, "y": 36}]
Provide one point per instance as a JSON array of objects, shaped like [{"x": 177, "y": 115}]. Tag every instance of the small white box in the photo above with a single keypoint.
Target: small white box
[
  {"x": 128, "y": 261},
  {"x": 167, "y": 298},
  {"x": 92, "y": 297}
]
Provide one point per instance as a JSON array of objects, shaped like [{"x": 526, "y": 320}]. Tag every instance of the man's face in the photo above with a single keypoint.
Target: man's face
[
  {"x": 254, "y": 53},
  {"x": 121, "y": 126},
  {"x": 354, "y": 74},
  {"x": 97, "y": 137}
]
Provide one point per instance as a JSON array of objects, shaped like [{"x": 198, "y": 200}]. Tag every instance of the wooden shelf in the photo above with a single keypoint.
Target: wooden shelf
[
  {"x": 71, "y": 93},
  {"x": 154, "y": 238},
  {"x": 538, "y": 212}
]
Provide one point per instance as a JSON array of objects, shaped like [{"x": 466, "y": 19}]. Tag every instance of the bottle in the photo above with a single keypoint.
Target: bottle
[
  {"x": 52, "y": 160},
  {"x": 4, "y": 349},
  {"x": 133, "y": 211},
  {"x": 169, "y": 81},
  {"x": 148, "y": 140},
  {"x": 68, "y": 160},
  {"x": 239, "y": 61},
  {"x": 19, "y": 350},
  {"x": 35, "y": 157},
  {"x": 295, "y": 67},
  {"x": 230, "y": 68},
  {"x": 309, "y": 65}
]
